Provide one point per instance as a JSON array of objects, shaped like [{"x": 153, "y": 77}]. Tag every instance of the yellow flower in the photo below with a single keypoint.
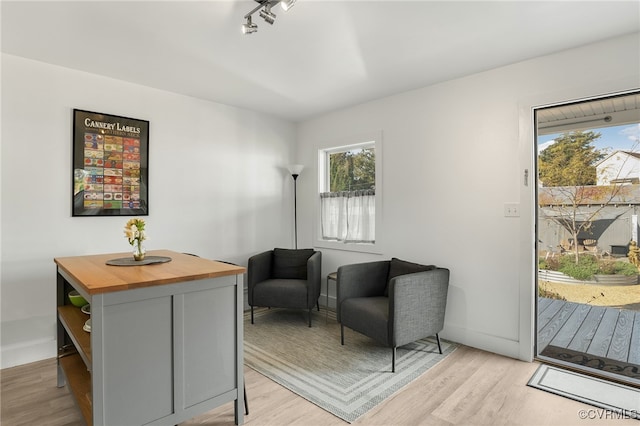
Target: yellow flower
[
  {"x": 134, "y": 230},
  {"x": 129, "y": 233}
]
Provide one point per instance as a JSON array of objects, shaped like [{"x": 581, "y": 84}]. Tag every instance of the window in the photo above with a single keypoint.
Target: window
[{"x": 348, "y": 196}]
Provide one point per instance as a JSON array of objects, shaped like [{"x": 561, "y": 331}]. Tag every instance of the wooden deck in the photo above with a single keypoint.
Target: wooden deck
[{"x": 600, "y": 331}]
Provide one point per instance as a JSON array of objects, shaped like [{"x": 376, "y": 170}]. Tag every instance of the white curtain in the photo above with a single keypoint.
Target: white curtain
[{"x": 349, "y": 216}]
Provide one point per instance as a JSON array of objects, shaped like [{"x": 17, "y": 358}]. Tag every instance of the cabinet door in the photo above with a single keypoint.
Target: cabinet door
[
  {"x": 209, "y": 346},
  {"x": 138, "y": 361}
]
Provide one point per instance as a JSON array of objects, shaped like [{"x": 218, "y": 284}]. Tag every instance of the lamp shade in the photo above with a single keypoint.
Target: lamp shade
[{"x": 295, "y": 169}]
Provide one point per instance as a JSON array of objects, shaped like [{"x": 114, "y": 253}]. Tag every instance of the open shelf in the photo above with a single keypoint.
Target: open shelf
[
  {"x": 79, "y": 382},
  {"x": 73, "y": 320}
]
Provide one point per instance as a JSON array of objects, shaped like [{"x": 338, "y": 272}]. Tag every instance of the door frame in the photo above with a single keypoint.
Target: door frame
[{"x": 527, "y": 182}]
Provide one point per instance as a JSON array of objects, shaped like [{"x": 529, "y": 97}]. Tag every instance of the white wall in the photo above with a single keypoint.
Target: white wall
[
  {"x": 218, "y": 186},
  {"x": 453, "y": 154}
]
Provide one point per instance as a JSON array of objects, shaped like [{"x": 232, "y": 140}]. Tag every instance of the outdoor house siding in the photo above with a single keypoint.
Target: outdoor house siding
[{"x": 619, "y": 165}]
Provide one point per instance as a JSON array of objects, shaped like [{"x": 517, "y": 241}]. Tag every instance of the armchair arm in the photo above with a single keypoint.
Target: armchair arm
[
  {"x": 314, "y": 277},
  {"x": 417, "y": 304},
  {"x": 259, "y": 268},
  {"x": 361, "y": 280}
]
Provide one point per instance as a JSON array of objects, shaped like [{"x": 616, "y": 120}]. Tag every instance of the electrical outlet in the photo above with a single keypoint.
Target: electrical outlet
[{"x": 511, "y": 210}]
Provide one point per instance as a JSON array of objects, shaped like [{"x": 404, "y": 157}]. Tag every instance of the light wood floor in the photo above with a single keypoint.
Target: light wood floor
[{"x": 470, "y": 387}]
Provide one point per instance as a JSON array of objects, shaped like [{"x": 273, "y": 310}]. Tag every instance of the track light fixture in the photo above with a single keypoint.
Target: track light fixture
[
  {"x": 265, "y": 13},
  {"x": 268, "y": 15},
  {"x": 249, "y": 27}
]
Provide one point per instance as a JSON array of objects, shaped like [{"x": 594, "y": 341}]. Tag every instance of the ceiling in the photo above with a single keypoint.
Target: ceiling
[
  {"x": 320, "y": 56},
  {"x": 589, "y": 114}
]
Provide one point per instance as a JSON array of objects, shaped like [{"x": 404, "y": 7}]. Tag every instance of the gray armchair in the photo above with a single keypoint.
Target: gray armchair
[
  {"x": 283, "y": 278},
  {"x": 394, "y": 302}
]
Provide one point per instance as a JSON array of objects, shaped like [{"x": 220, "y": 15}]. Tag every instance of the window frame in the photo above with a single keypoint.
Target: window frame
[{"x": 374, "y": 140}]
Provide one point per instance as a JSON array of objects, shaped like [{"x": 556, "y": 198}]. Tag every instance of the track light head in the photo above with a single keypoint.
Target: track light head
[
  {"x": 249, "y": 27},
  {"x": 287, "y": 4},
  {"x": 267, "y": 15}
]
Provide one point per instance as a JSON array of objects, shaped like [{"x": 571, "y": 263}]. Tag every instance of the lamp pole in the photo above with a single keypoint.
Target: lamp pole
[
  {"x": 295, "y": 207},
  {"x": 295, "y": 171}
]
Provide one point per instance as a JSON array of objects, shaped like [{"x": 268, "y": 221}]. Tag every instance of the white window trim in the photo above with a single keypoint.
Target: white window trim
[{"x": 369, "y": 139}]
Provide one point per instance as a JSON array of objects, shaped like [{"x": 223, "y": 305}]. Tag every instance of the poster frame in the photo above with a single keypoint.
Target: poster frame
[{"x": 93, "y": 133}]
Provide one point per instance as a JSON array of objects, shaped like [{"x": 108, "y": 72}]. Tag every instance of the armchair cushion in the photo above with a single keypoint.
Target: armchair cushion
[
  {"x": 369, "y": 316},
  {"x": 291, "y": 264},
  {"x": 402, "y": 267},
  {"x": 283, "y": 293}
]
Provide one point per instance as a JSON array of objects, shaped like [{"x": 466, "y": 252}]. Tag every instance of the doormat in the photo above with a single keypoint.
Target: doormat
[
  {"x": 592, "y": 361},
  {"x": 615, "y": 397}
]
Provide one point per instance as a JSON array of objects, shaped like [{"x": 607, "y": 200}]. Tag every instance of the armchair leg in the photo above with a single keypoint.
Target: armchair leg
[
  {"x": 252, "y": 315},
  {"x": 318, "y": 305},
  {"x": 393, "y": 359},
  {"x": 439, "y": 347},
  {"x": 310, "y": 311},
  {"x": 342, "y": 334}
]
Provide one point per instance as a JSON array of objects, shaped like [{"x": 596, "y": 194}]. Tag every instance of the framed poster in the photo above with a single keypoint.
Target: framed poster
[{"x": 110, "y": 165}]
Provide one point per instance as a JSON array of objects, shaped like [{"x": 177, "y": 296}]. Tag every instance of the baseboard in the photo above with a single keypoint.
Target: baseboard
[
  {"x": 26, "y": 352},
  {"x": 27, "y": 340},
  {"x": 323, "y": 301},
  {"x": 485, "y": 342}
]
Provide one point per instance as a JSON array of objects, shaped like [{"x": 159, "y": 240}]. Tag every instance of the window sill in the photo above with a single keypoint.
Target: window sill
[{"x": 360, "y": 248}]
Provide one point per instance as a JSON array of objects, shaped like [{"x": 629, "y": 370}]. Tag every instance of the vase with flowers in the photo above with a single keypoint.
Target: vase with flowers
[{"x": 134, "y": 232}]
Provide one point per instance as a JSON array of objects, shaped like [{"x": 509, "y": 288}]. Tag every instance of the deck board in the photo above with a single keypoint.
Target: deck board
[
  {"x": 549, "y": 312},
  {"x": 587, "y": 330},
  {"x": 620, "y": 341},
  {"x": 555, "y": 323},
  {"x": 634, "y": 344},
  {"x": 570, "y": 328},
  {"x": 543, "y": 302},
  {"x": 602, "y": 338}
]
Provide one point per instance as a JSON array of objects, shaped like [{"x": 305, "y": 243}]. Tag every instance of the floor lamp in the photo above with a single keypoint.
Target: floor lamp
[{"x": 295, "y": 170}]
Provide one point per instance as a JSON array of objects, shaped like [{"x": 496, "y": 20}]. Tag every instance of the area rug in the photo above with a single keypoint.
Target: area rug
[
  {"x": 616, "y": 398},
  {"x": 346, "y": 381},
  {"x": 592, "y": 361}
]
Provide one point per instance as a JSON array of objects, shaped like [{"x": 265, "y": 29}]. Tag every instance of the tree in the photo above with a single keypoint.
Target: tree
[
  {"x": 568, "y": 169},
  {"x": 352, "y": 170},
  {"x": 571, "y": 160},
  {"x": 339, "y": 172}
]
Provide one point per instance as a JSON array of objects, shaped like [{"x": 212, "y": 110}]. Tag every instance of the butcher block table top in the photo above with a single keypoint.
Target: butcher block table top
[{"x": 95, "y": 276}]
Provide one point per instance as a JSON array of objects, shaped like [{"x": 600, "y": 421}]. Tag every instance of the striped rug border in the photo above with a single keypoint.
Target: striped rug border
[{"x": 347, "y": 400}]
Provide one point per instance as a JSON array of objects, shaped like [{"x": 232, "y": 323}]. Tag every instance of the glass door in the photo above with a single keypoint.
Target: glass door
[{"x": 588, "y": 195}]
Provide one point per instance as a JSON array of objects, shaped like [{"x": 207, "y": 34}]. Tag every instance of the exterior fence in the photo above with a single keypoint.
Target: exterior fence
[{"x": 612, "y": 230}]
